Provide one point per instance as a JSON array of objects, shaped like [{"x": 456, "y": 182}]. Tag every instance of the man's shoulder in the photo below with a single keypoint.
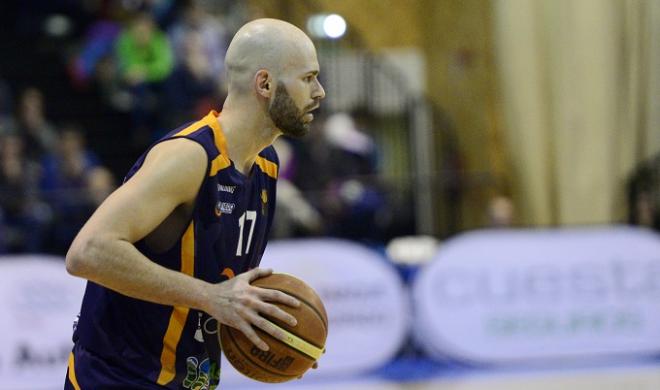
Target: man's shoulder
[
  {"x": 270, "y": 154},
  {"x": 180, "y": 148},
  {"x": 178, "y": 158},
  {"x": 268, "y": 162}
]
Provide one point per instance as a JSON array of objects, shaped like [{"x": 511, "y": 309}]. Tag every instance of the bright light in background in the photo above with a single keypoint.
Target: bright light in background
[
  {"x": 334, "y": 26},
  {"x": 331, "y": 26}
]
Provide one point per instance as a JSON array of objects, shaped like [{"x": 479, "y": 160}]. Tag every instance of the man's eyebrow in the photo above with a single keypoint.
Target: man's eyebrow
[{"x": 313, "y": 73}]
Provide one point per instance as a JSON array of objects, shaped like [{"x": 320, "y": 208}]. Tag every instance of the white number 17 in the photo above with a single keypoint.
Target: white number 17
[{"x": 251, "y": 216}]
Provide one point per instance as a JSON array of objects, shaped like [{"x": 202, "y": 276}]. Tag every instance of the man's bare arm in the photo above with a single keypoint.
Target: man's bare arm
[{"x": 103, "y": 250}]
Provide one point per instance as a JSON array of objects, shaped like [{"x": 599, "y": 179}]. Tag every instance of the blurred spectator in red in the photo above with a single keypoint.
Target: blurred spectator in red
[
  {"x": 211, "y": 34},
  {"x": 24, "y": 217},
  {"x": 33, "y": 127},
  {"x": 145, "y": 60},
  {"x": 190, "y": 90},
  {"x": 64, "y": 185}
]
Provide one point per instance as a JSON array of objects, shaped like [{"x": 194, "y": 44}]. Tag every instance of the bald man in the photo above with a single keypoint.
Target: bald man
[{"x": 172, "y": 251}]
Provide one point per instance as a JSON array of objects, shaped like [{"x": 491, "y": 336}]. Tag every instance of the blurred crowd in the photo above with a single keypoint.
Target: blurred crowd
[
  {"x": 49, "y": 181},
  {"x": 122, "y": 73},
  {"x": 153, "y": 66}
]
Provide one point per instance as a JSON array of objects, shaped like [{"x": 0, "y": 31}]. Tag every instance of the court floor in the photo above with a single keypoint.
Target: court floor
[
  {"x": 634, "y": 377},
  {"x": 643, "y": 376}
]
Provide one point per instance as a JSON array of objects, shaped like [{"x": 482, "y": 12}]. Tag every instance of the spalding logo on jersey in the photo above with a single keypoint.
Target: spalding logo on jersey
[{"x": 226, "y": 188}]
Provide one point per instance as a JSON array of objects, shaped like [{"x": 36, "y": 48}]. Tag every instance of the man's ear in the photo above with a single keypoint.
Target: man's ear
[{"x": 264, "y": 83}]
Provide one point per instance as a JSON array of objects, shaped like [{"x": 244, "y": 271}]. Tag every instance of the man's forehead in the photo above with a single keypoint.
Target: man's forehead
[
  {"x": 289, "y": 61},
  {"x": 303, "y": 61}
]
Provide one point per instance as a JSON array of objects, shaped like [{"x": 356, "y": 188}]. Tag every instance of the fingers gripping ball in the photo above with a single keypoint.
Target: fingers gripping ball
[{"x": 305, "y": 341}]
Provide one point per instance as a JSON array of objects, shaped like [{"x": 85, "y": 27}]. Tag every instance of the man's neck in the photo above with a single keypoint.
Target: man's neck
[{"x": 247, "y": 134}]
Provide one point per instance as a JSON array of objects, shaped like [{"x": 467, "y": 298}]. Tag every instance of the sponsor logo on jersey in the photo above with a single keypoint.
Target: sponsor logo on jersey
[{"x": 224, "y": 208}]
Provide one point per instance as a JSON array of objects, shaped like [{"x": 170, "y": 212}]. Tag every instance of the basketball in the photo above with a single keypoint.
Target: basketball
[{"x": 305, "y": 341}]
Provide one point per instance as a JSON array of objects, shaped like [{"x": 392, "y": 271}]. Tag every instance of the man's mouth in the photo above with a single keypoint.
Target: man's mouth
[{"x": 314, "y": 107}]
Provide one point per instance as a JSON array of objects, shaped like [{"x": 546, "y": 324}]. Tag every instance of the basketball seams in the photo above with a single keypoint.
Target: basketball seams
[
  {"x": 279, "y": 323},
  {"x": 303, "y": 300},
  {"x": 268, "y": 367},
  {"x": 246, "y": 356}
]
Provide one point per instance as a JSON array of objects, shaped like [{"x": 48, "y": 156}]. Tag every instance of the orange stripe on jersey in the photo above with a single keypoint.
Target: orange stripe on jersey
[
  {"x": 192, "y": 128},
  {"x": 219, "y": 163},
  {"x": 72, "y": 373},
  {"x": 179, "y": 313},
  {"x": 267, "y": 167},
  {"x": 220, "y": 142}
]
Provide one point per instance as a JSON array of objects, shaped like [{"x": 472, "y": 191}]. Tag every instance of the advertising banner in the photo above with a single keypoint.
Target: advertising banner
[
  {"x": 498, "y": 297},
  {"x": 40, "y": 301},
  {"x": 363, "y": 295}
]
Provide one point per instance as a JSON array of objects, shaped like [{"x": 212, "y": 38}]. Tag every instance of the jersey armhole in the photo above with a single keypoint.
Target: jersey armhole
[
  {"x": 202, "y": 184},
  {"x": 142, "y": 243}
]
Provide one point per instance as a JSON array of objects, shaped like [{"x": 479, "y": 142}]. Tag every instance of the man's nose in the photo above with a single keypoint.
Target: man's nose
[{"x": 319, "y": 92}]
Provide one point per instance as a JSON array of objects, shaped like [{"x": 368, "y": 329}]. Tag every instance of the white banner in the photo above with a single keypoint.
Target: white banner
[
  {"x": 362, "y": 294},
  {"x": 39, "y": 301},
  {"x": 495, "y": 297}
]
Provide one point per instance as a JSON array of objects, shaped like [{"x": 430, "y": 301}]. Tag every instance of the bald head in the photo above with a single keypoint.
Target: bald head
[{"x": 269, "y": 44}]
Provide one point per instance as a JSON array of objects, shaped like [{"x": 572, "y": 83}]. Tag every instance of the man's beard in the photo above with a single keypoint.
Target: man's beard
[{"x": 286, "y": 115}]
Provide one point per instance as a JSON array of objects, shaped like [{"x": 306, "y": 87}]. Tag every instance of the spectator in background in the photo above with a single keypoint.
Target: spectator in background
[
  {"x": 208, "y": 30},
  {"x": 163, "y": 11},
  {"x": 7, "y": 123},
  {"x": 645, "y": 213},
  {"x": 33, "y": 127},
  {"x": 143, "y": 52},
  {"x": 3, "y": 233},
  {"x": 295, "y": 215},
  {"x": 64, "y": 185},
  {"x": 500, "y": 212},
  {"x": 100, "y": 183},
  {"x": 145, "y": 61},
  {"x": 355, "y": 184},
  {"x": 24, "y": 218},
  {"x": 644, "y": 195},
  {"x": 98, "y": 46},
  {"x": 191, "y": 90},
  {"x": 338, "y": 171}
]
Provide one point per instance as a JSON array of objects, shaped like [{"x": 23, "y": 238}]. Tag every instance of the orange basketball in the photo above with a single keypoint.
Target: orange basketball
[{"x": 283, "y": 361}]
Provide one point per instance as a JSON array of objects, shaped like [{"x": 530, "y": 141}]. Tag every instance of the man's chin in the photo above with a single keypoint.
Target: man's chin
[{"x": 297, "y": 132}]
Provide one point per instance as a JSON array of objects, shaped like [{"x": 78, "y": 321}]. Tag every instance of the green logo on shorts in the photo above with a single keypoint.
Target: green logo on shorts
[{"x": 201, "y": 376}]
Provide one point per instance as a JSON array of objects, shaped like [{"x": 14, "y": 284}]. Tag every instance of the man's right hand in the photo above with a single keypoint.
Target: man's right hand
[{"x": 237, "y": 303}]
